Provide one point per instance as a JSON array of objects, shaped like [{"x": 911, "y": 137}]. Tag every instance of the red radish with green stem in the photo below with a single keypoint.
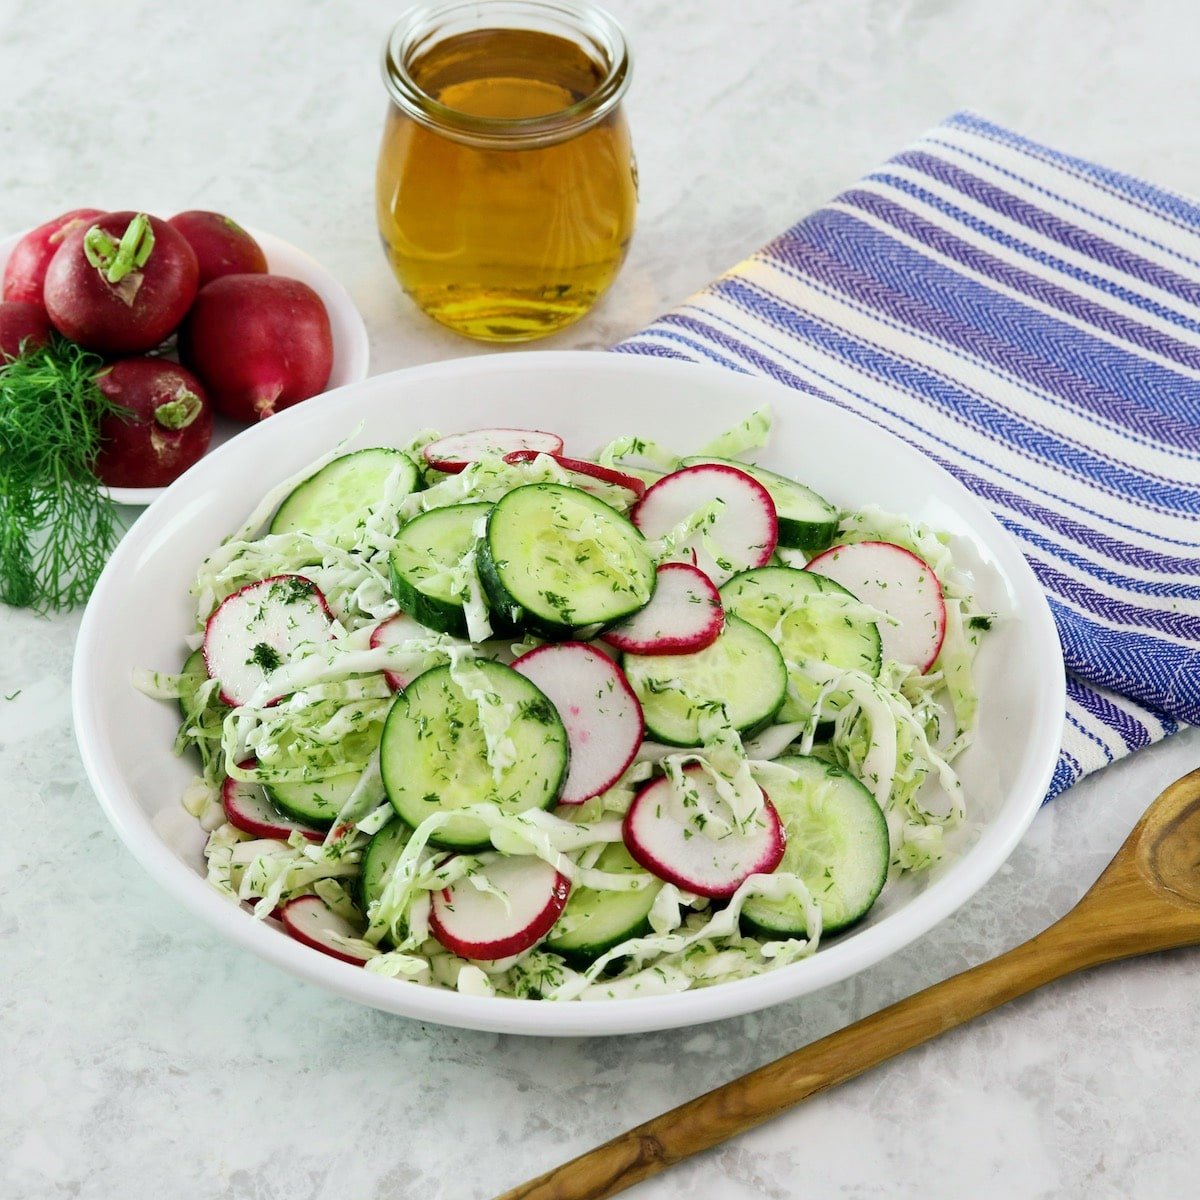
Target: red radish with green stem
[
  {"x": 165, "y": 426},
  {"x": 25, "y": 271},
  {"x": 221, "y": 245},
  {"x": 23, "y": 326},
  {"x": 260, "y": 343},
  {"x": 122, "y": 284}
]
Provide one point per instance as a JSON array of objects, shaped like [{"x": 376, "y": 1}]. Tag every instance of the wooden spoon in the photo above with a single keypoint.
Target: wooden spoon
[{"x": 1148, "y": 899}]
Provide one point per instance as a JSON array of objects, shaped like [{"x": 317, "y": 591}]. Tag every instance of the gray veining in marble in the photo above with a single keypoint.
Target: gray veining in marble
[{"x": 140, "y": 1056}]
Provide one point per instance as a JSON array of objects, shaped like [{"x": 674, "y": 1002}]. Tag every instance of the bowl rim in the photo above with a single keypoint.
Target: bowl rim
[
  {"x": 352, "y": 351},
  {"x": 601, "y": 1017}
]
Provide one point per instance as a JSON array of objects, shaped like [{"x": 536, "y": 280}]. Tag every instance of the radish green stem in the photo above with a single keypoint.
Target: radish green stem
[
  {"x": 115, "y": 260},
  {"x": 180, "y": 412}
]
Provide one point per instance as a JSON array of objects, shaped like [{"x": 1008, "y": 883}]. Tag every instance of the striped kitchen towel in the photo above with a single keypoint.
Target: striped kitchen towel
[{"x": 1031, "y": 321}]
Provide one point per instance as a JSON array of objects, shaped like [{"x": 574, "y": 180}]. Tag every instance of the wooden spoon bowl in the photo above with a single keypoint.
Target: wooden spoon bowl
[{"x": 1148, "y": 899}]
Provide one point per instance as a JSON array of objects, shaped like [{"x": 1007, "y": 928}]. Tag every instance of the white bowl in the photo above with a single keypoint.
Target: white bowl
[
  {"x": 351, "y": 349},
  {"x": 140, "y": 612}
]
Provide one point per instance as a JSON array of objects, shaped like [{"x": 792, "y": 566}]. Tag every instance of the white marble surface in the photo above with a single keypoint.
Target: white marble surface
[{"x": 140, "y": 1056}]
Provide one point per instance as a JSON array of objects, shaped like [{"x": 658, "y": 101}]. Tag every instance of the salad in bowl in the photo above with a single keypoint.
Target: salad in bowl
[{"x": 478, "y": 714}]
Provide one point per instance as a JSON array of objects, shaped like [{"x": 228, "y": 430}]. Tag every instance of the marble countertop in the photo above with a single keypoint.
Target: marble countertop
[{"x": 141, "y": 1056}]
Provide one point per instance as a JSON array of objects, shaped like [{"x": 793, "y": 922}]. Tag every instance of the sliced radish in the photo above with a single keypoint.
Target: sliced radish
[
  {"x": 582, "y": 467},
  {"x": 248, "y": 809},
  {"x": 602, "y": 716},
  {"x": 668, "y": 840},
  {"x": 898, "y": 583},
  {"x": 456, "y": 452},
  {"x": 684, "y": 614},
  {"x": 311, "y": 921},
  {"x": 259, "y": 628},
  {"x": 745, "y": 533},
  {"x": 393, "y": 631},
  {"x": 481, "y": 925}
]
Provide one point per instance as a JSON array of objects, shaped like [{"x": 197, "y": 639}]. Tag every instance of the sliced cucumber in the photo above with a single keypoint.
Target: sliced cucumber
[
  {"x": 807, "y": 521},
  {"x": 314, "y": 803},
  {"x": 378, "y": 858},
  {"x": 339, "y": 495},
  {"x": 556, "y": 560},
  {"x": 192, "y": 675},
  {"x": 434, "y": 757},
  {"x": 595, "y": 921},
  {"x": 742, "y": 670},
  {"x": 809, "y": 616},
  {"x": 428, "y": 549},
  {"x": 837, "y": 843}
]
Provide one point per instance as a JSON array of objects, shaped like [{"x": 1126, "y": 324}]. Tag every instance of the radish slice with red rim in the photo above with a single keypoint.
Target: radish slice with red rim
[
  {"x": 456, "y": 452},
  {"x": 311, "y": 921},
  {"x": 259, "y": 628},
  {"x": 581, "y": 466},
  {"x": 745, "y": 533},
  {"x": 598, "y": 709},
  {"x": 484, "y": 926},
  {"x": 393, "y": 631},
  {"x": 895, "y": 581},
  {"x": 248, "y": 809},
  {"x": 685, "y": 614},
  {"x": 670, "y": 840}
]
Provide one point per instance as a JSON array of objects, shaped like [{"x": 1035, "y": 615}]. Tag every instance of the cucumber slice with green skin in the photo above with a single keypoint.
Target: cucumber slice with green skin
[
  {"x": 192, "y": 675},
  {"x": 343, "y": 489},
  {"x": 378, "y": 858},
  {"x": 313, "y": 803},
  {"x": 807, "y": 521},
  {"x": 837, "y": 843},
  {"x": 433, "y": 755},
  {"x": 809, "y": 616},
  {"x": 557, "y": 560},
  {"x": 427, "y": 549},
  {"x": 595, "y": 921},
  {"x": 742, "y": 670}
]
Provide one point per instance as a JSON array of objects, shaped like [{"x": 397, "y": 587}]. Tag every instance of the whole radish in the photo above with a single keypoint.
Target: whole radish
[
  {"x": 166, "y": 428},
  {"x": 221, "y": 245},
  {"x": 260, "y": 343},
  {"x": 25, "y": 271},
  {"x": 122, "y": 284},
  {"x": 21, "y": 324}
]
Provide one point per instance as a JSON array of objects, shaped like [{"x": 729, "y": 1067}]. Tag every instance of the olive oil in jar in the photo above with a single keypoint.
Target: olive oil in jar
[{"x": 506, "y": 186}]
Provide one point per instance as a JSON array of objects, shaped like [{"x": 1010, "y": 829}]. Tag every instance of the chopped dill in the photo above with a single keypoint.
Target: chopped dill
[{"x": 57, "y": 527}]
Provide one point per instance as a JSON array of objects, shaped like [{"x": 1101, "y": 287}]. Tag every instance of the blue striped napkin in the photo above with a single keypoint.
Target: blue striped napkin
[{"x": 1031, "y": 321}]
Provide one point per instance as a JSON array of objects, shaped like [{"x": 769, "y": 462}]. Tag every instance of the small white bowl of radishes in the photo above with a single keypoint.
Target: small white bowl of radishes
[{"x": 203, "y": 327}]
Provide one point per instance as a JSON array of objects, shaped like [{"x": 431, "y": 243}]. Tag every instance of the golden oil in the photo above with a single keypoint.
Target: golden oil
[{"x": 506, "y": 186}]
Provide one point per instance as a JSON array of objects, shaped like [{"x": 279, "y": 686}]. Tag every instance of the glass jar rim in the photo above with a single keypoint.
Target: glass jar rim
[{"x": 593, "y": 27}]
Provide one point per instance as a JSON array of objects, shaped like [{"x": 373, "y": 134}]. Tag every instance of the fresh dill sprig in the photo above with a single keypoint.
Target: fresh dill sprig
[{"x": 57, "y": 527}]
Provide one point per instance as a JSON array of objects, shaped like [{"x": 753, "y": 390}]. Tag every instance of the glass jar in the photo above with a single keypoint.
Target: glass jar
[{"x": 506, "y": 187}]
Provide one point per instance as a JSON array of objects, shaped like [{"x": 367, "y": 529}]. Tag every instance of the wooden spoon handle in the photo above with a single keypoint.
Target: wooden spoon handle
[{"x": 735, "y": 1107}]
